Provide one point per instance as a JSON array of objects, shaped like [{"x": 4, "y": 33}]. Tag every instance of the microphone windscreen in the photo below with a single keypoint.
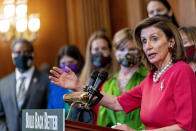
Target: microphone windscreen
[
  {"x": 93, "y": 78},
  {"x": 94, "y": 74},
  {"x": 103, "y": 75}
]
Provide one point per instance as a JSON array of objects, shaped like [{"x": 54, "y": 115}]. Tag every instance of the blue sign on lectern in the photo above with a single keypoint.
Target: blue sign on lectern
[{"x": 43, "y": 120}]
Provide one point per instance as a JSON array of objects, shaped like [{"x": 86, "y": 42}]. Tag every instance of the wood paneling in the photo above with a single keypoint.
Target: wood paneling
[
  {"x": 85, "y": 17},
  {"x": 187, "y": 12},
  {"x": 52, "y": 34},
  {"x": 73, "y": 21},
  {"x": 118, "y": 15},
  {"x": 136, "y": 12}
]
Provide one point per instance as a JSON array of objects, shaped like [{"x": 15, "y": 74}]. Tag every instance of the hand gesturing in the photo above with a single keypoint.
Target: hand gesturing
[{"x": 66, "y": 80}]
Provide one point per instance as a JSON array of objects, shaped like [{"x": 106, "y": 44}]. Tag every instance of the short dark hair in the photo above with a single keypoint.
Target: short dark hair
[
  {"x": 22, "y": 40},
  {"x": 170, "y": 31},
  {"x": 71, "y": 51},
  {"x": 164, "y": 2}
]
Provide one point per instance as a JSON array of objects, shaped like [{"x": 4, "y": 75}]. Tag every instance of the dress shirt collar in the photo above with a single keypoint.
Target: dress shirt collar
[{"x": 26, "y": 74}]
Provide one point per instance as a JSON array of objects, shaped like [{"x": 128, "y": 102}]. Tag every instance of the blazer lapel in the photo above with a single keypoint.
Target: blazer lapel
[
  {"x": 32, "y": 86},
  {"x": 12, "y": 85}
]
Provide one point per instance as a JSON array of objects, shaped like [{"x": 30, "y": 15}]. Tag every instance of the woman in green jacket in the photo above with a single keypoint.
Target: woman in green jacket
[{"x": 131, "y": 73}]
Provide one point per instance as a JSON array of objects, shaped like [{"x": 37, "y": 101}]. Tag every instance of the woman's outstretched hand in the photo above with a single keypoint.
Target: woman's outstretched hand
[{"x": 66, "y": 80}]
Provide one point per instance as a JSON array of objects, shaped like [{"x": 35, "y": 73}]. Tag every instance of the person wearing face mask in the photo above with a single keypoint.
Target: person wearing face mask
[
  {"x": 188, "y": 35},
  {"x": 131, "y": 73},
  {"x": 161, "y": 8},
  {"x": 166, "y": 97},
  {"x": 20, "y": 89},
  {"x": 99, "y": 56},
  {"x": 68, "y": 56}
]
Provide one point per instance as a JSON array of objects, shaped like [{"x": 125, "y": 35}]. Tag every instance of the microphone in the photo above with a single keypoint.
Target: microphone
[
  {"x": 100, "y": 79},
  {"x": 92, "y": 80},
  {"x": 94, "y": 90},
  {"x": 86, "y": 99}
]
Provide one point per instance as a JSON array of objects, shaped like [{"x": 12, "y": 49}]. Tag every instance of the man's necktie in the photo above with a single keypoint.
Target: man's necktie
[{"x": 21, "y": 92}]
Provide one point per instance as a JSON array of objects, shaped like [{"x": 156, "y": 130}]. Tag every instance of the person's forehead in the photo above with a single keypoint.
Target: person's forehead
[
  {"x": 130, "y": 44},
  {"x": 155, "y": 5},
  {"x": 21, "y": 46},
  {"x": 67, "y": 58},
  {"x": 151, "y": 30},
  {"x": 99, "y": 43}
]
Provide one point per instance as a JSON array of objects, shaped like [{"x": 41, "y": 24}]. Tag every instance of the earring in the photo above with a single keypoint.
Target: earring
[{"x": 170, "y": 49}]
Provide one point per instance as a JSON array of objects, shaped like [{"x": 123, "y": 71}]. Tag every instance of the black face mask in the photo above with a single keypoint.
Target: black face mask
[
  {"x": 129, "y": 60},
  {"x": 162, "y": 15},
  {"x": 190, "y": 53},
  {"x": 23, "y": 62},
  {"x": 99, "y": 60}
]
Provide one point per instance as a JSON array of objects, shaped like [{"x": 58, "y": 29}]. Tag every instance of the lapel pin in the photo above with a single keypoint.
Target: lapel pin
[
  {"x": 162, "y": 85},
  {"x": 34, "y": 80}
]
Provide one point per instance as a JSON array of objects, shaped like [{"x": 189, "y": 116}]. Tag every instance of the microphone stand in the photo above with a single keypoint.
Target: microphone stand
[
  {"x": 69, "y": 113},
  {"x": 82, "y": 101},
  {"x": 92, "y": 94}
]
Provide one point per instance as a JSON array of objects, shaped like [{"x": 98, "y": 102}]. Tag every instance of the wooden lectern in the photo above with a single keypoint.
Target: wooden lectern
[{"x": 80, "y": 126}]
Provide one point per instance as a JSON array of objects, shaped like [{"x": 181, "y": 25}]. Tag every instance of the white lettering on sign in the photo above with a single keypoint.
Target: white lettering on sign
[
  {"x": 29, "y": 121},
  {"x": 42, "y": 122}
]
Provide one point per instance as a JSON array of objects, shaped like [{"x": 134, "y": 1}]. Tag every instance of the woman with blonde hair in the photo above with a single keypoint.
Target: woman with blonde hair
[
  {"x": 131, "y": 73},
  {"x": 99, "y": 56}
]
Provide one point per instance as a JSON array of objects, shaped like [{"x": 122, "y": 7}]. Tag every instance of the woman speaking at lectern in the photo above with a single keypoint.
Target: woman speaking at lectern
[{"x": 166, "y": 96}]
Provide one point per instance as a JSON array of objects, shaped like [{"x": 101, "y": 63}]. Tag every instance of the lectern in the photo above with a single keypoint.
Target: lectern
[{"x": 80, "y": 126}]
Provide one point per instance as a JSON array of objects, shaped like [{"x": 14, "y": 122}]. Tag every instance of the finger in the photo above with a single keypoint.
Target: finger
[
  {"x": 116, "y": 127},
  {"x": 68, "y": 69},
  {"x": 56, "y": 83},
  {"x": 53, "y": 78},
  {"x": 119, "y": 123},
  {"x": 55, "y": 73},
  {"x": 58, "y": 70}
]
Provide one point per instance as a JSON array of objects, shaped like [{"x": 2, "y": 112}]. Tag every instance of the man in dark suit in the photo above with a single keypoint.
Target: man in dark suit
[{"x": 26, "y": 88}]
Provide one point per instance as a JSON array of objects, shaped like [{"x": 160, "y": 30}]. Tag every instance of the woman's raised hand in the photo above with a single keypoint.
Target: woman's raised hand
[{"x": 66, "y": 80}]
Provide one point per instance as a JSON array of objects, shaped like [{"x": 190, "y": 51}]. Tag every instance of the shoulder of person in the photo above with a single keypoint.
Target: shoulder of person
[
  {"x": 5, "y": 81},
  {"x": 41, "y": 75},
  {"x": 182, "y": 66},
  {"x": 8, "y": 77},
  {"x": 114, "y": 77},
  {"x": 183, "y": 69}
]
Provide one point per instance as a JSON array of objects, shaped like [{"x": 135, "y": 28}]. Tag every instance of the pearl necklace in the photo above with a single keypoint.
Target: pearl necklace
[{"x": 157, "y": 73}]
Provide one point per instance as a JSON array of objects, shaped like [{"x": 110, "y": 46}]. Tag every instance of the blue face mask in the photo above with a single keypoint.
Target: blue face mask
[
  {"x": 73, "y": 67},
  {"x": 23, "y": 62}
]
